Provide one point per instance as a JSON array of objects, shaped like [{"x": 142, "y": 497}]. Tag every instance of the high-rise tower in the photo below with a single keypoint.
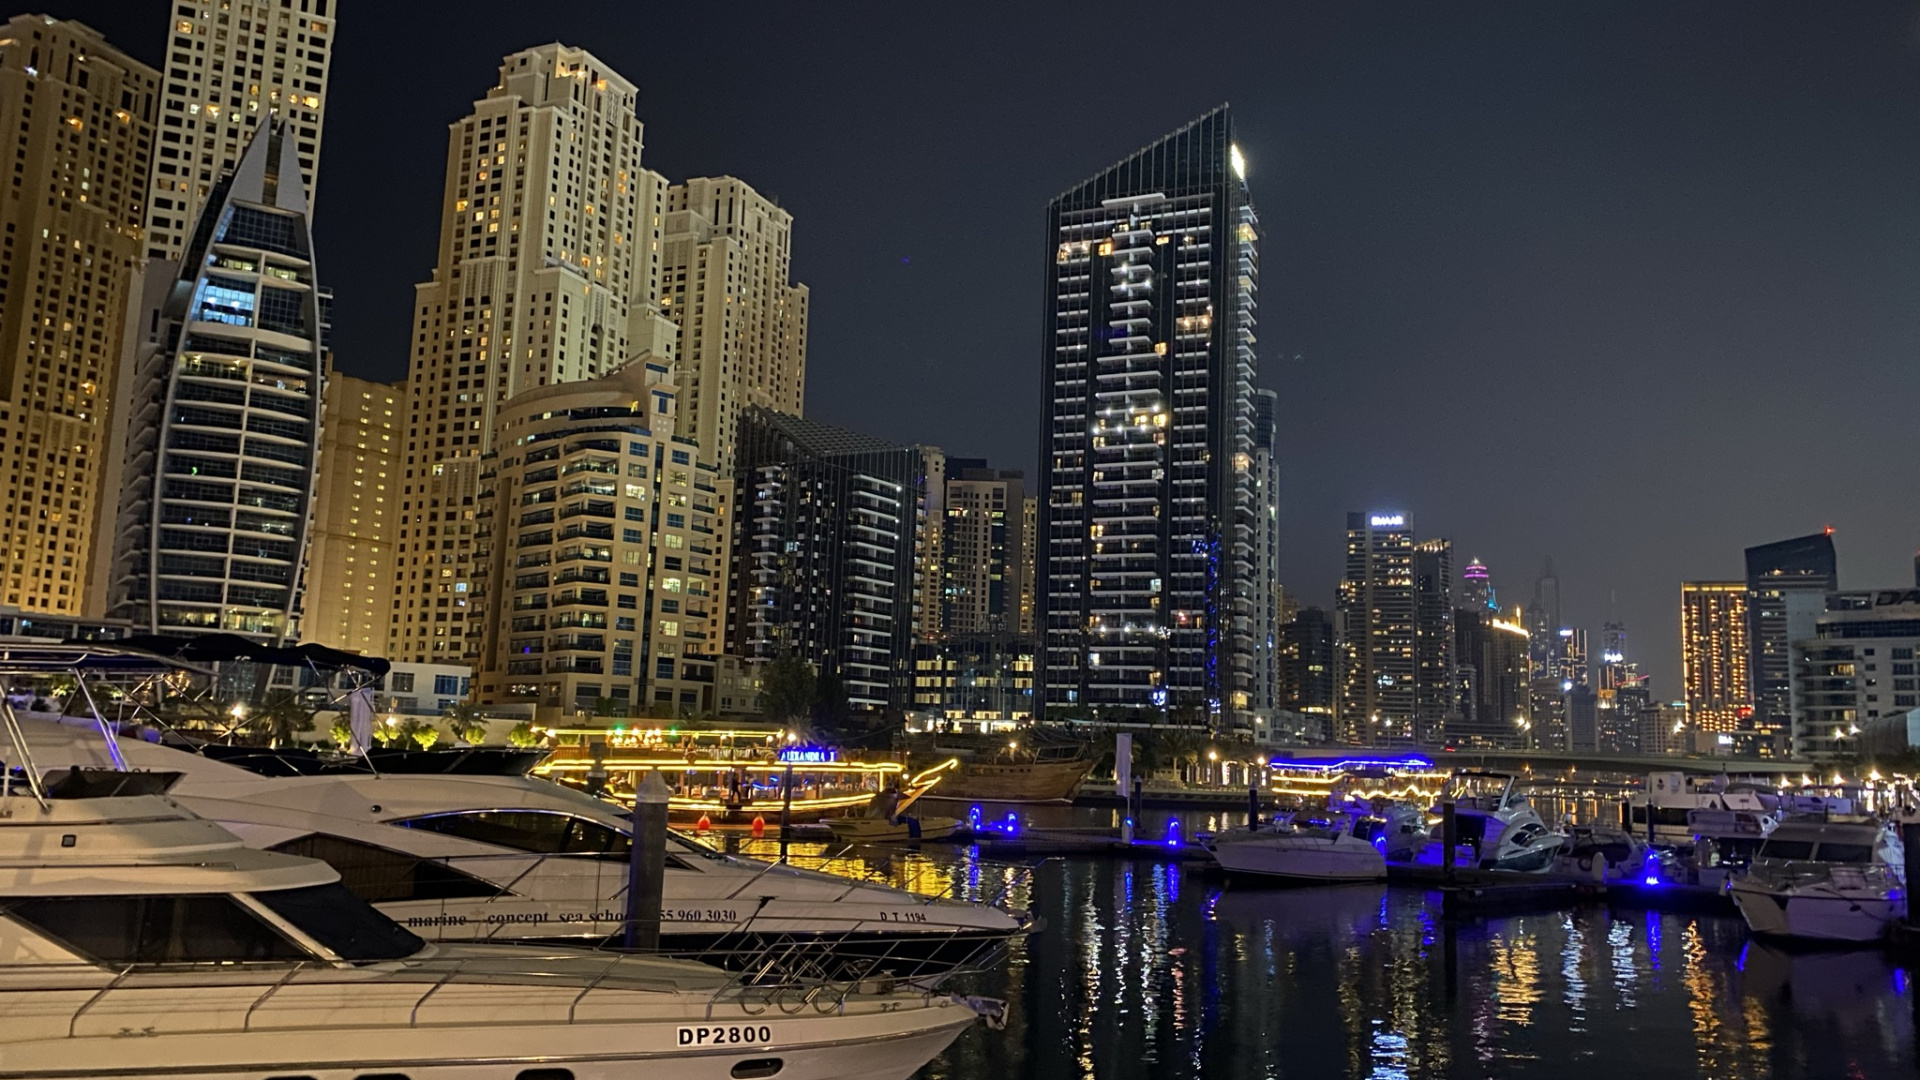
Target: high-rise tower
[
  {"x": 1265, "y": 587},
  {"x": 1435, "y": 692},
  {"x": 224, "y": 426},
  {"x": 232, "y": 65},
  {"x": 546, "y": 274},
  {"x": 1476, "y": 587},
  {"x": 82, "y": 115},
  {"x": 1377, "y": 611},
  {"x": 1543, "y": 621},
  {"x": 1147, "y": 477},
  {"x": 1787, "y": 587},
  {"x": 743, "y": 325},
  {"x": 1714, "y": 654}
]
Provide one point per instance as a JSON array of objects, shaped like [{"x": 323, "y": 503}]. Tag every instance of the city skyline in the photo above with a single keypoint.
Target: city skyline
[{"x": 1716, "y": 231}]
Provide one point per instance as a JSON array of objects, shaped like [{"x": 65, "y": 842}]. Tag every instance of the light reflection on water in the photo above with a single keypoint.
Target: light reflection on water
[{"x": 1148, "y": 969}]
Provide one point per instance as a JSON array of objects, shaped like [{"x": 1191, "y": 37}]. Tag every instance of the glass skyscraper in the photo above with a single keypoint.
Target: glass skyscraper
[
  {"x": 1147, "y": 480},
  {"x": 224, "y": 432}
]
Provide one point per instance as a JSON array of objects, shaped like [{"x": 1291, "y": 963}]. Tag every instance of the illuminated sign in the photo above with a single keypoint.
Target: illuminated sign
[
  {"x": 808, "y": 755},
  {"x": 1387, "y": 521}
]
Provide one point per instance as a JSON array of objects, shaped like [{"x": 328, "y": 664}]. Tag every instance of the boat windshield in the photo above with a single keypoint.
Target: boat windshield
[
  {"x": 1787, "y": 849},
  {"x": 193, "y": 929},
  {"x": 341, "y": 921},
  {"x": 541, "y": 832},
  {"x": 1846, "y": 853}
]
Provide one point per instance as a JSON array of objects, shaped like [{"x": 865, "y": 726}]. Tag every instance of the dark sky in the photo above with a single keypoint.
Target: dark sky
[{"x": 1633, "y": 285}]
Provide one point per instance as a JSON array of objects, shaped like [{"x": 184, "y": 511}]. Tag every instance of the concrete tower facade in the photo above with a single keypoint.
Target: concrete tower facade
[
  {"x": 84, "y": 116},
  {"x": 350, "y": 562},
  {"x": 231, "y": 66},
  {"x": 546, "y": 270},
  {"x": 743, "y": 324},
  {"x": 1377, "y": 614}
]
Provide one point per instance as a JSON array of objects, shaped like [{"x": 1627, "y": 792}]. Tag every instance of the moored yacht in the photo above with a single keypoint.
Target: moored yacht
[
  {"x": 139, "y": 941},
  {"x": 458, "y": 857},
  {"x": 1503, "y": 828},
  {"x": 1328, "y": 848},
  {"x": 1824, "y": 881}
]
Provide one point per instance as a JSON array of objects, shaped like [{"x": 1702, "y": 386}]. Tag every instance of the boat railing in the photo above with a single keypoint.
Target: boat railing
[
  {"x": 784, "y": 973},
  {"x": 1796, "y": 873}
]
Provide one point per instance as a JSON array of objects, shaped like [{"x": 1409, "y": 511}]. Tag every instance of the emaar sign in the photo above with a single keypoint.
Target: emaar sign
[{"x": 1387, "y": 521}]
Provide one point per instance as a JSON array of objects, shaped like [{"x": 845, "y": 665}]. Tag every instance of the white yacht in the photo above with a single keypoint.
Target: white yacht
[
  {"x": 139, "y": 941},
  {"x": 1824, "y": 880},
  {"x": 1331, "y": 848},
  {"x": 457, "y": 857},
  {"x": 1501, "y": 826}
]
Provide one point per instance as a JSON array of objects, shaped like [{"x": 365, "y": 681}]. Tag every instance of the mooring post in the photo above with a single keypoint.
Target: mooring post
[
  {"x": 647, "y": 863},
  {"x": 786, "y": 812},
  {"x": 1449, "y": 838},
  {"x": 1253, "y": 806}
]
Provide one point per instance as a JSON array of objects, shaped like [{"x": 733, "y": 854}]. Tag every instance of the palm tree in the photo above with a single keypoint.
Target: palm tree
[{"x": 466, "y": 723}]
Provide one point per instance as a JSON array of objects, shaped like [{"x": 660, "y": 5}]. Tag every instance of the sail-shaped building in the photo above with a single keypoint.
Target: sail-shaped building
[{"x": 223, "y": 416}]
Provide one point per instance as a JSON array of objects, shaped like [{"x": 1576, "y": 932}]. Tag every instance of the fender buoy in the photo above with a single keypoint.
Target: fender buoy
[
  {"x": 704, "y": 825},
  {"x": 1586, "y": 863},
  {"x": 759, "y": 826}
]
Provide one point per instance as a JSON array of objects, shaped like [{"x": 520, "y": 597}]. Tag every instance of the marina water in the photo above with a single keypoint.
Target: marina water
[{"x": 1149, "y": 969}]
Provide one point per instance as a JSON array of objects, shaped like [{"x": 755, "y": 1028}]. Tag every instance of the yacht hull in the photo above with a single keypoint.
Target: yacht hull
[
  {"x": 1278, "y": 858},
  {"x": 1823, "y": 915},
  {"x": 888, "y": 1046}
]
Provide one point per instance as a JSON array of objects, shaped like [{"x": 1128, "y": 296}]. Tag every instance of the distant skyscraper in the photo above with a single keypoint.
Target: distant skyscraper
[
  {"x": 1714, "y": 654},
  {"x": 1377, "y": 610},
  {"x": 81, "y": 117},
  {"x": 1569, "y": 663},
  {"x": 1265, "y": 586},
  {"x": 545, "y": 275},
  {"x": 1476, "y": 587},
  {"x": 216, "y": 496},
  {"x": 1493, "y": 652},
  {"x": 1310, "y": 669},
  {"x": 232, "y": 66},
  {"x": 1435, "y": 694},
  {"x": 743, "y": 324},
  {"x": 1543, "y": 621},
  {"x": 824, "y": 558},
  {"x": 350, "y": 562},
  {"x": 982, "y": 549},
  {"x": 1613, "y": 653},
  {"x": 1787, "y": 586},
  {"x": 1147, "y": 508}
]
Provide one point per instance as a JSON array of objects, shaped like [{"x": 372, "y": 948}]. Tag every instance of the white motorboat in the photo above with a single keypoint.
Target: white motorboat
[
  {"x": 1724, "y": 843},
  {"x": 1335, "y": 847},
  {"x": 458, "y": 857},
  {"x": 1603, "y": 853},
  {"x": 1500, "y": 825},
  {"x": 1824, "y": 881},
  {"x": 139, "y": 941}
]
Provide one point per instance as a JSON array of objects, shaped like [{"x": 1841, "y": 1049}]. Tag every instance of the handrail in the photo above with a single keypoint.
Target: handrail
[
  {"x": 73, "y": 1023},
  {"x": 246, "y": 1022}
]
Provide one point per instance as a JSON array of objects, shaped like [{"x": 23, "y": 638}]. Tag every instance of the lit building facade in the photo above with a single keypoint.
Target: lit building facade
[
  {"x": 1147, "y": 482},
  {"x": 604, "y": 539},
  {"x": 727, "y": 252},
  {"x": 975, "y": 682},
  {"x": 1857, "y": 666},
  {"x": 1436, "y": 696},
  {"x": 1310, "y": 670},
  {"x": 1496, "y": 709},
  {"x": 1543, "y": 620},
  {"x": 1714, "y": 655},
  {"x": 232, "y": 66},
  {"x": 83, "y": 119},
  {"x": 824, "y": 552},
  {"x": 1476, "y": 587},
  {"x": 1267, "y": 595},
  {"x": 224, "y": 433},
  {"x": 983, "y": 546},
  {"x": 1787, "y": 586},
  {"x": 349, "y": 569},
  {"x": 547, "y": 266},
  {"x": 1377, "y": 612}
]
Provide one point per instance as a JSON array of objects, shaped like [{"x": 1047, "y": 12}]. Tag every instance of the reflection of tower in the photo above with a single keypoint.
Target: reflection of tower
[
  {"x": 1543, "y": 621},
  {"x": 1476, "y": 589}
]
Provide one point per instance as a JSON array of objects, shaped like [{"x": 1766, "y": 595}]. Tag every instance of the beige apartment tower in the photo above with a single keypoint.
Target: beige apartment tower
[
  {"x": 350, "y": 558},
  {"x": 546, "y": 271},
  {"x": 743, "y": 326},
  {"x": 231, "y": 64},
  {"x": 71, "y": 220}
]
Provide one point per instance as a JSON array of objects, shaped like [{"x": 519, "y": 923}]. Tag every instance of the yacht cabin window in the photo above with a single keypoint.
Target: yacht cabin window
[
  {"x": 1846, "y": 853},
  {"x": 345, "y": 924},
  {"x": 156, "y": 929},
  {"x": 537, "y": 831},
  {"x": 380, "y": 876},
  {"x": 1787, "y": 849}
]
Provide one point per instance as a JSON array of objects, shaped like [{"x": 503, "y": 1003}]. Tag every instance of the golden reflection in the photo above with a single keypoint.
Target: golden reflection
[{"x": 1724, "y": 1050}]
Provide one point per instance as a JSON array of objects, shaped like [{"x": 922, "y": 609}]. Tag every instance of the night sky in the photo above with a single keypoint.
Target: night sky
[{"x": 1631, "y": 285}]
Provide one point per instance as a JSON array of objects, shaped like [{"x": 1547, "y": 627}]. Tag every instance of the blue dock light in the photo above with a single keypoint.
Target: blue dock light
[
  {"x": 1013, "y": 823},
  {"x": 973, "y": 819},
  {"x": 1173, "y": 833}
]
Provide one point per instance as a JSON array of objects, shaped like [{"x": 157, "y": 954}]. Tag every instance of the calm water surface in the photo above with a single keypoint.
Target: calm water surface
[{"x": 1149, "y": 970}]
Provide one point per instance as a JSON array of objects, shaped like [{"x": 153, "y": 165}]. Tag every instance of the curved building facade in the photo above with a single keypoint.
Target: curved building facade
[{"x": 224, "y": 431}]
